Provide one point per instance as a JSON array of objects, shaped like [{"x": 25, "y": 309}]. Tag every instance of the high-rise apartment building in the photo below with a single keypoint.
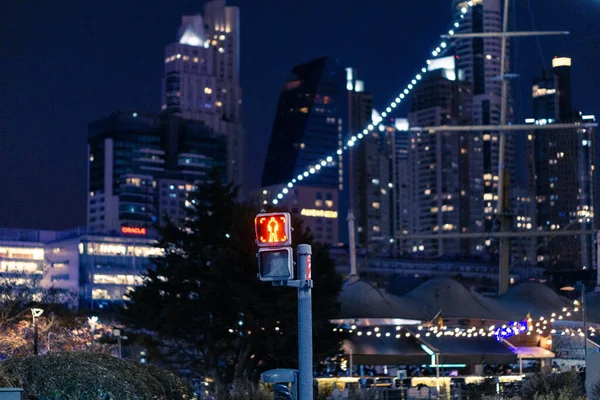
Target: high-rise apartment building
[
  {"x": 141, "y": 167},
  {"x": 437, "y": 160},
  {"x": 561, "y": 170},
  {"x": 310, "y": 124},
  {"x": 478, "y": 64},
  {"x": 202, "y": 77}
]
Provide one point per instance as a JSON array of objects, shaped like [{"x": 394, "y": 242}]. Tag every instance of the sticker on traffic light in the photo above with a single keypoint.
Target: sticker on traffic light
[
  {"x": 275, "y": 264},
  {"x": 273, "y": 229}
]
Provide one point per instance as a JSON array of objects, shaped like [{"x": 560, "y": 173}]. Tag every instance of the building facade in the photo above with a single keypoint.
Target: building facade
[
  {"x": 438, "y": 160},
  {"x": 202, "y": 77},
  {"x": 310, "y": 125},
  {"x": 92, "y": 271},
  {"x": 478, "y": 64},
  {"x": 561, "y": 170},
  {"x": 142, "y": 165}
]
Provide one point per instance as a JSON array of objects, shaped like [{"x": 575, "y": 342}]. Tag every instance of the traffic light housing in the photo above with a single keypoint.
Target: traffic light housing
[
  {"x": 275, "y": 264},
  {"x": 273, "y": 229}
]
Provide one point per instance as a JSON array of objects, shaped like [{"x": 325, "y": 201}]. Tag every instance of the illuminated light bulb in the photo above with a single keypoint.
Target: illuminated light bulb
[
  {"x": 394, "y": 104},
  {"x": 317, "y": 167},
  {"x": 568, "y": 314},
  {"x": 450, "y": 32},
  {"x": 280, "y": 196},
  {"x": 359, "y": 333},
  {"x": 462, "y": 16},
  {"x": 575, "y": 309},
  {"x": 369, "y": 333},
  {"x": 410, "y": 86},
  {"x": 360, "y": 135},
  {"x": 414, "y": 82},
  {"x": 312, "y": 170},
  {"x": 463, "y": 10},
  {"x": 427, "y": 334},
  {"x": 560, "y": 317},
  {"x": 419, "y": 77},
  {"x": 419, "y": 335},
  {"x": 420, "y": 327},
  {"x": 365, "y": 131},
  {"x": 299, "y": 177},
  {"x": 434, "y": 53},
  {"x": 405, "y": 91},
  {"x": 285, "y": 190},
  {"x": 353, "y": 326},
  {"x": 339, "y": 151},
  {"x": 387, "y": 334},
  {"x": 378, "y": 335},
  {"x": 456, "y": 24},
  {"x": 428, "y": 62},
  {"x": 388, "y": 109},
  {"x": 335, "y": 329},
  {"x": 424, "y": 70},
  {"x": 553, "y": 331},
  {"x": 401, "y": 95},
  {"x": 290, "y": 184},
  {"x": 329, "y": 159},
  {"x": 350, "y": 143},
  {"x": 554, "y": 314},
  {"x": 275, "y": 201},
  {"x": 564, "y": 309},
  {"x": 324, "y": 163},
  {"x": 438, "y": 49},
  {"x": 384, "y": 114},
  {"x": 231, "y": 331},
  {"x": 398, "y": 336},
  {"x": 305, "y": 173},
  {"x": 443, "y": 44},
  {"x": 541, "y": 318},
  {"x": 407, "y": 335},
  {"x": 528, "y": 333}
]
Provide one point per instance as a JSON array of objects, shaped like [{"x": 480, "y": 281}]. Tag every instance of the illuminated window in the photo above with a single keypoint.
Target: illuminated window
[
  {"x": 186, "y": 58},
  {"x": 219, "y": 104},
  {"x": 376, "y": 205},
  {"x": 118, "y": 279},
  {"x": 207, "y": 90}
]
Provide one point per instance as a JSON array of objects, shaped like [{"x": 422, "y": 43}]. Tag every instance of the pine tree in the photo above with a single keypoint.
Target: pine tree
[{"x": 208, "y": 310}]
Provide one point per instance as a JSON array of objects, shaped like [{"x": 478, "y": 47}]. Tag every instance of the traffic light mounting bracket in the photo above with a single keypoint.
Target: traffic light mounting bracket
[{"x": 294, "y": 283}]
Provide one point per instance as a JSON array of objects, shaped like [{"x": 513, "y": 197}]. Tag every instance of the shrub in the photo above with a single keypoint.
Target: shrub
[
  {"x": 544, "y": 386},
  {"x": 92, "y": 376}
]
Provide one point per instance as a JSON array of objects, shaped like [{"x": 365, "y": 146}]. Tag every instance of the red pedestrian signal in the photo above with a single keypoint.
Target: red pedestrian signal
[{"x": 273, "y": 229}]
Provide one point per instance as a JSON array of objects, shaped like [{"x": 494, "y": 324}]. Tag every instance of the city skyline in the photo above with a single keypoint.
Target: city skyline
[{"x": 43, "y": 126}]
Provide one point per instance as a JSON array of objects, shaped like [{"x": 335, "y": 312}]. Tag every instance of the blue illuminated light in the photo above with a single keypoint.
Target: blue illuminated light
[{"x": 510, "y": 330}]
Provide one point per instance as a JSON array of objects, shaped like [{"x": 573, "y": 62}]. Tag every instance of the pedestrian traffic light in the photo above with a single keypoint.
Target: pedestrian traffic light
[
  {"x": 273, "y": 229},
  {"x": 275, "y": 264}
]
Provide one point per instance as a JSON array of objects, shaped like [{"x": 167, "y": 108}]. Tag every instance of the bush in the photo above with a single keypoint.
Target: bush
[
  {"x": 553, "y": 387},
  {"x": 91, "y": 376}
]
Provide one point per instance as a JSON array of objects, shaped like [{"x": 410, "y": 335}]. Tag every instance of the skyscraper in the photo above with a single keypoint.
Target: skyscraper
[
  {"x": 478, "y": 64},
  {"x": 202, "y": 77},
  {"x": 310, "y": 124},
  {"x": 440, "y": 191},
  {"x": 141, "y": 167},
  {"x": 561, "y": 170}
]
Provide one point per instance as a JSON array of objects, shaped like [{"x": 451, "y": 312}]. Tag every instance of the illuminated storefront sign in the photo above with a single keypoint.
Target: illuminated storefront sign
[
  {"x": 132, "y": 230},
  {"x": 308, "y": 212}
]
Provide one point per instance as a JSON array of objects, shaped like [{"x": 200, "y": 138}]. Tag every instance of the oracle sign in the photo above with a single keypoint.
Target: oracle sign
[{"x": 132, "y": 230}]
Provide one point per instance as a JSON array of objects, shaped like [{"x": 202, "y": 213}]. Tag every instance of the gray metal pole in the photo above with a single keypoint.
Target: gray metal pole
[
  {"x": 585, "y": 332},
  {"x": 305, "y": 350},
  {"x": 504, "y": 222},
  {"x": 35, "y": 336}
]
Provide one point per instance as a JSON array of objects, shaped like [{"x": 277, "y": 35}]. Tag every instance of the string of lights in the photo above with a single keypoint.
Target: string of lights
[
  {"x": 541, "y": 325},
  {"x": 326, "y": 162}
]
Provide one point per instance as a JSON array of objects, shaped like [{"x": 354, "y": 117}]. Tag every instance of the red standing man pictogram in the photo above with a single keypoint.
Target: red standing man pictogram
[
  {"x": 308, "y": 268},
  {"x": 273, "y": 227}
]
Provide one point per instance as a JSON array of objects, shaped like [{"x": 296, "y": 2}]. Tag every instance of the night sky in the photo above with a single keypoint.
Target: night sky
[{"x": 65, "y": 63}]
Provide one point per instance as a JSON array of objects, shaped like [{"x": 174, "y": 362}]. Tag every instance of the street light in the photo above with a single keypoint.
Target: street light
[
  {"x": 580, "y": 286},
  {"x": 36, "y": 313},
  {"x": 92, "y": 322}
]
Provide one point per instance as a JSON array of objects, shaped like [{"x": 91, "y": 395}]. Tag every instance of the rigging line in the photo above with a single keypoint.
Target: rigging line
[{"x": 537, "y": 38}]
